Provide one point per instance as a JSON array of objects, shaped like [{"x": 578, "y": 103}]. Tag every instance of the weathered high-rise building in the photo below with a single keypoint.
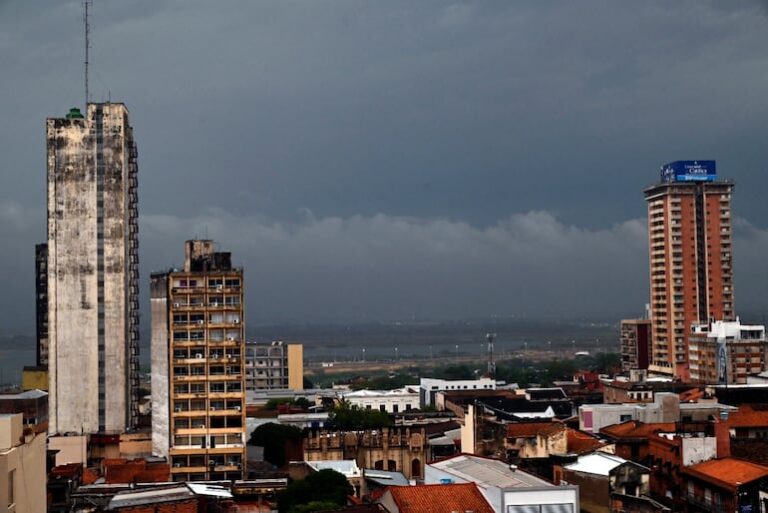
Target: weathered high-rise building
[
  {"x": 92, "y": 271},
  {"x": 689, "y": 230},
  {"x": 198, "y": 380}
]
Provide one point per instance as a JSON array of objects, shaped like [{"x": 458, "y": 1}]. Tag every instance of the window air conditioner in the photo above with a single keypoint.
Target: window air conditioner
[
  {"x": 200, "y": 321},
  {"x": 199, "y": 356},
  {"x": 176, "y": 305},
  {"x": 236, "y": 321},
  {"x": 237, "y": 408}
]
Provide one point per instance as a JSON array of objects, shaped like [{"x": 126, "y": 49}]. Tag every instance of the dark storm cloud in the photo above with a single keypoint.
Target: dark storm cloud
[{"x": 461, "y": 158}]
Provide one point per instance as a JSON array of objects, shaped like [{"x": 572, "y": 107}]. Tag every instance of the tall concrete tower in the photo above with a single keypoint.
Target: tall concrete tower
[
  {"x": 689, "y": 230},
  {"x": 92, "y": 271}
]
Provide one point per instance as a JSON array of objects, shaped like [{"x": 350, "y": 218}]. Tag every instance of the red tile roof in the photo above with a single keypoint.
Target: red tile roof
[
  {"x": 728, "y": 473},
  {"x": 636, "y": 429},
  {"x": 580, "y": 442},
  {"x": 527, "y": 429},
  {"x": 439, "y": 498},
  {"x": 748, "y": 416}
]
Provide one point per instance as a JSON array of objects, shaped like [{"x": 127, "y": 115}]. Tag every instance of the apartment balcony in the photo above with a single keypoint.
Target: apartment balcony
[
  {"x": 224, "y": 377},
  {"x": 224, "y": 412}
]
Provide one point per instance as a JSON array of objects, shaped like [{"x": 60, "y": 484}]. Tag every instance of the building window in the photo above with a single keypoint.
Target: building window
[
  {"x": 382, "y": 408},
  {"x": 11, "y": 488},
  {"x": 395, "y": 408}
]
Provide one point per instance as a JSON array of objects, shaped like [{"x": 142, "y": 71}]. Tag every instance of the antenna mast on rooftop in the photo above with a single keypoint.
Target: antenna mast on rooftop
[{"x": 87, "y": 4}]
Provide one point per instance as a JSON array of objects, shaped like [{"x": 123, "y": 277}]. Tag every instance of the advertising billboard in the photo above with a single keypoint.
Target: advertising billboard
[{"x": 689, "y": 171}]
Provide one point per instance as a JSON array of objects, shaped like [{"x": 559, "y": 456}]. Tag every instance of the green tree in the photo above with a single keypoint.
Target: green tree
[
  {"x": 301, "y": 402},
  {"x": 274, "y": 438},
  {"x": 273, "y": 403},
  {"x": 323, "y": 490},
  {"x": 346, "y": 416}
]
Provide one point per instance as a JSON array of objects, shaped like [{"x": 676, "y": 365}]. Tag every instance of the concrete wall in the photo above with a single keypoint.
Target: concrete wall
[
  {"x": 468, "y": 431},
  {"x": 159, "y": 367},
  {"x": 593, "y": 490},
  {"x": 295, "y": 366},
  {"x": 72, "y": 449},
  {"x": 696, "y": 450},
  {"x": 26, "y": 462},
  {"x": 34, "y": 379}
]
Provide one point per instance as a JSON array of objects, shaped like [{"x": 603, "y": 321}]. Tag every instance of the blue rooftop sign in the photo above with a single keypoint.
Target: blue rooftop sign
[{"x": 689, "y": 171}]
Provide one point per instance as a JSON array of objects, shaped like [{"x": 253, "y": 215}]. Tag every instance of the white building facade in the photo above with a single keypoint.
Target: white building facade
[
  {"x": 428, "y": 387},
  {"x": 389, "y": 401}
]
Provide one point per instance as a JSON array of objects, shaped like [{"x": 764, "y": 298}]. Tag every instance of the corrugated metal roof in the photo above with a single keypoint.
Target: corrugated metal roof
[
  {"x": 488, "y": 472},
  {"x": 598, "y": 463}
]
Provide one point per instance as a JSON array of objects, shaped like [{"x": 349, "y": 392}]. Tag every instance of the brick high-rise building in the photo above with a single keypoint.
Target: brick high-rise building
[
  {"x": 198, "y": 379},
  {"x": 691, "y": 280},
  {"x": 92, "y": 271}
]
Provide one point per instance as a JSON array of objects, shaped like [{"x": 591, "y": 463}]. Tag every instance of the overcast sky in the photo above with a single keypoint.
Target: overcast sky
[{"x": 399, "y": 159}]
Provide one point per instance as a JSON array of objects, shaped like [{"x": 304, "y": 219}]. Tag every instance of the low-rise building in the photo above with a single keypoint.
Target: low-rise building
[
  {"x": 390, "y": 401},
  {"x": 630, "y": 438},
  {"x": 504, "y": 486},
  {"x": 274, "y": 366},
  {"x": 600, "y": 476},
  {"x": 394, "y": 449},
  {"x": 22, "y": 467},
  {"x": 32, "y": 404},
  {"x": 666, "y": 407},
  {"x": 429, "y": 387},
  {"x": 726, "y": 352},
  {"x": 435, "y": 498},
  {"x": 727, "y": 484}
]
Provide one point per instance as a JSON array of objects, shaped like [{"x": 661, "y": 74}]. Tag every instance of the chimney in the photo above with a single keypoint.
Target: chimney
[{"x": 723, "y": 436}]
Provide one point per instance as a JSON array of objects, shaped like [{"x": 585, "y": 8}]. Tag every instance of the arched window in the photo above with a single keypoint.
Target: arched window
[{"x": 415, "y": 469}]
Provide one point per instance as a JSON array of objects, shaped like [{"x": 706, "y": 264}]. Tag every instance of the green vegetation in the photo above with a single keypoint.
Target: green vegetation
[
  {"x": 351, "y": 417},
  {"x": 274, "y": 437},
  {"x": 301, "y": 402},
  {"x": 517, "y": 370},
  {"x": 320, "y": 491}
]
